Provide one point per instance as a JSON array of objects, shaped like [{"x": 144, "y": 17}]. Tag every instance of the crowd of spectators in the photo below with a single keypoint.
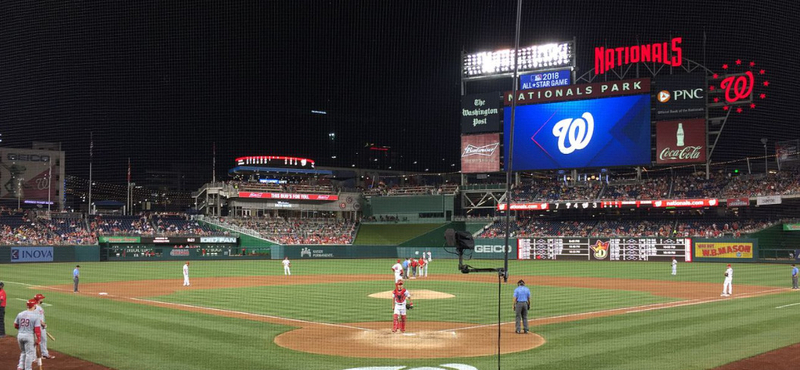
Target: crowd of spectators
[
  {"x": 384, "y": 190},
  {"x": 299, "y": 230},
  {"x": 654, "y": 188}
]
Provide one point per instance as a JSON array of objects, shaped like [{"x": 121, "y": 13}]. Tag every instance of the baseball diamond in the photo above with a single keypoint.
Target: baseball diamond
[{"x": 149, "y": 315}]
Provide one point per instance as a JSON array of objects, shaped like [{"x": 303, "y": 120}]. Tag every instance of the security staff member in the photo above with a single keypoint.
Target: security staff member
[
  {"x": 2, "y": 310},
  {"x": 522, "y": 303}
]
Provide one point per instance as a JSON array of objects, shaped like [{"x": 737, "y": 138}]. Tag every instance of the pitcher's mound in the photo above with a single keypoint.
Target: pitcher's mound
[
  {"x": 376, "y": 340},
  {"x": 415, "y": 294}
]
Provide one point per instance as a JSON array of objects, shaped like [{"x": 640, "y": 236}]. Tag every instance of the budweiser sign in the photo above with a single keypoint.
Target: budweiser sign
[
  {"x": 682, "y": 141},
  {"x": 479, "y": 153},
  {"x": 486, "y": 150}
]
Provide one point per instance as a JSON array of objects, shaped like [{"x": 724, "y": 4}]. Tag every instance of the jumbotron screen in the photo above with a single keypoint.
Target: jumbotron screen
[{"x": 604, "y": 132}]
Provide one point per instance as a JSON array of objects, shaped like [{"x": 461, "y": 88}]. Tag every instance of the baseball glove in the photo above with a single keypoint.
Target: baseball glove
[
  {"x": 726, "y": 274},
  {"x": 410, "y": 306}
]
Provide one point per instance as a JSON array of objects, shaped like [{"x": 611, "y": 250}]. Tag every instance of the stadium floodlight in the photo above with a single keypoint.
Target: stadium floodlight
[{"x": 531, "y": 58}]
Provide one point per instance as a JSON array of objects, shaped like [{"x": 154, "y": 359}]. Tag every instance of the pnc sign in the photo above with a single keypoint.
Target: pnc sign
[{"x": 668, "y": 53}]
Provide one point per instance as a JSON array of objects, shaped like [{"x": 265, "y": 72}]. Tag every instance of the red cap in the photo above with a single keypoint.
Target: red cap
[
  {"x": 398, "y": 261},
  {"x": 31, "y": 303},
  {"x": 38, "y": 297},
  {"x": 729, "y": 265}
]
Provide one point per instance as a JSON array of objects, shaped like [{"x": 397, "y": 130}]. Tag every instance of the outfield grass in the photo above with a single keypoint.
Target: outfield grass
[
  {"x": 126, "y": 335},
  {"x": 391, "y": 234}
]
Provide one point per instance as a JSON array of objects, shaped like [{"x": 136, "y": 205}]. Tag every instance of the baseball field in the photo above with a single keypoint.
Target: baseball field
[{"x": 336, "y": 315}]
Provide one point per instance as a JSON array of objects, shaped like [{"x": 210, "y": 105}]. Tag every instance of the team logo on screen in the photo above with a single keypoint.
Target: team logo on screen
[
  {"x": 577, "y": 131},
  {"x": 600, "y": 250},
  {"x": 663, "y": 96}
]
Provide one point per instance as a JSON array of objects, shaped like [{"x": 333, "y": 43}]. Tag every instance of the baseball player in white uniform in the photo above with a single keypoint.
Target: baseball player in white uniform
[
  {"x": 397, "y": 268},
  {"x": 727, "y": 286},
  {"x": 401, "y": 299},
  {"x": 30, "y": 333},
  {"x": 286, "y": 265},
  {"x": 186, "y": 274},
  {"x": 674, "y": 266}
]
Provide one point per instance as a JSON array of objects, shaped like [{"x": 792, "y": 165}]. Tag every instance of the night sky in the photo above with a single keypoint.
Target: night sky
[{"x": 161, "y": 81}]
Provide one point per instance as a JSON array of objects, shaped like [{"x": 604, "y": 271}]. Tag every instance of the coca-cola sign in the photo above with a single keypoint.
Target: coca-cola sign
[
  {"x": 480, "y": 153},
  {"x": 681, "y": 141}
]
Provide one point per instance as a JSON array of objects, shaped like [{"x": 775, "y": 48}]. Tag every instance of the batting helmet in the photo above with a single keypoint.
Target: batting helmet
[
  {"x": 31, "y": 303},
  {"x": 38, "y": 297}
]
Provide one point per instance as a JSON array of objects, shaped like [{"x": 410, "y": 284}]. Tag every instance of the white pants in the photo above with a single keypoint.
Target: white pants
[
  {"x": 397, "y": 277},
  {"x": 424, "y": 271},
  {"x": 727, "y": 286},
  {"x": 400, "y": 309},
  {"x": 185, "y": 280},
  {"x": 286, "y": 270},
  {"x": 27, "y": 351},
  {"x": 674, "y": 270}
]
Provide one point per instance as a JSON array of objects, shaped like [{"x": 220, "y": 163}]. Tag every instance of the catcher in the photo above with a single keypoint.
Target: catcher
[{"x": 402, "y": 301}]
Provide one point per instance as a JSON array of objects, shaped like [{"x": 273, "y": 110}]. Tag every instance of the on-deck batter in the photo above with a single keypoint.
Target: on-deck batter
[{"x": 30, "y": 333}]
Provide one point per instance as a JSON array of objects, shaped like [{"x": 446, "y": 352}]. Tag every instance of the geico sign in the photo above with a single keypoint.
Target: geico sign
[
  {"x": 665, "y": 96},
  {"x": 28, "y": 157},
  {"x": 490, "y": 249}
]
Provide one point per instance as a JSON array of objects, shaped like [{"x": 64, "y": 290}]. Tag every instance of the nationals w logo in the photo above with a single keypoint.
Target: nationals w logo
[{"x": 578, "y": 131}]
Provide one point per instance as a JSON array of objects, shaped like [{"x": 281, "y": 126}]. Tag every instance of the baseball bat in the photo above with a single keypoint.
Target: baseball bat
[
  {"x": 39, "y": 355},
  {"x": 50, "y": 336}
]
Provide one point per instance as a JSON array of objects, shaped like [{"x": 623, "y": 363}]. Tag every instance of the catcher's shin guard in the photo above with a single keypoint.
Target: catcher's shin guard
[
  {"x": 403, "y": 323},
  {"x": 394, "y": 323}
]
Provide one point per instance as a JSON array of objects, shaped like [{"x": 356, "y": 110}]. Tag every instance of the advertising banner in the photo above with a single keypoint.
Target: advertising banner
[
  {"x": 691, "y": 203},
  {"x": 791, "y": 227},
  {"x": 579, "y": 92},
  {"x": 524, "y": 206},
  {"x": 739, "y": 249},
  {"x": 787, "y": 151},
  {"x": 545, "y": 79},
  {"x": 768, "y": 200},
  {"x": 480, "y": 153},
  {"x": 493, "y": 249},
  {"x": 679, "y": 96},
  {"x": 578, "y": 134},
  {"x": 293, "y": 196},
  {"x": 119, "y": 239},
  {"x": 480, "y": 113},
  {"x": 738, "y": 202},
  {"x": 31, "y": 254},
  {"x": 681, "y": 141},
  {"x": 29, "y": 175}
]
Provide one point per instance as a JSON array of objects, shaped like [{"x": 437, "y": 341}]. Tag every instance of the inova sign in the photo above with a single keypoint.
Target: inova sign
[{"x": 31, "y": 254}]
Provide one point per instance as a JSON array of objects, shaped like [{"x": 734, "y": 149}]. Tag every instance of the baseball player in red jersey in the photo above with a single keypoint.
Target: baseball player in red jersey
[
  {"x": 423, "y": 268},
  {"x": 401, "y": 299}
]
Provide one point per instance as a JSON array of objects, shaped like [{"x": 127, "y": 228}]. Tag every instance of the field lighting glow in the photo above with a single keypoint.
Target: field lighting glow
[{"x": 536, "y": 57}]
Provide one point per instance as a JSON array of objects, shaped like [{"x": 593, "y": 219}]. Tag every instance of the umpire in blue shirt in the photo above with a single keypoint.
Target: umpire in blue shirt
[{"x": 522, "y": 303}]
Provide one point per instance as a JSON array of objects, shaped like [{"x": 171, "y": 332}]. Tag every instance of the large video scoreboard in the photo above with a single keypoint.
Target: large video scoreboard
[{"x": 605, "y": 249}]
